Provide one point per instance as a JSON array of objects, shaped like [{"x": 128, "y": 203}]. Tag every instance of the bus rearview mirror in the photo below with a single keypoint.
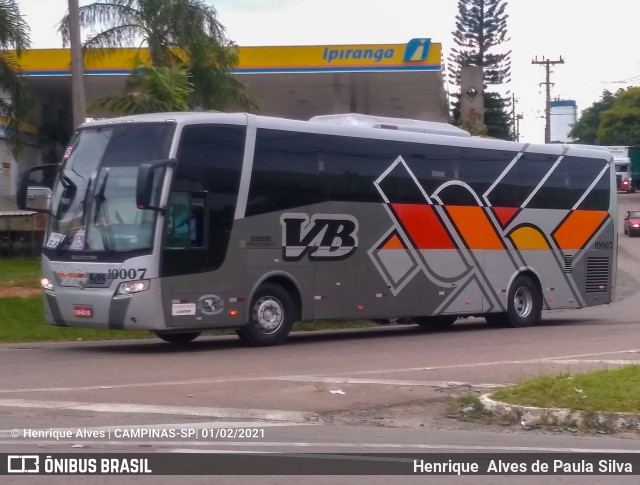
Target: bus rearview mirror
[
  {"x": 149, "y": 184},
  {"x": 34, "y": 188}
]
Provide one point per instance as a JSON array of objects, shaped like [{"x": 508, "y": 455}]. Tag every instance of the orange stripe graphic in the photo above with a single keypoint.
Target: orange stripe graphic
[
  {"x": 578, "y": 228},
  {"x": 393, "y": 243},
  {"x": 423, "y": 226},
  {"x": 475, "y": 227}
]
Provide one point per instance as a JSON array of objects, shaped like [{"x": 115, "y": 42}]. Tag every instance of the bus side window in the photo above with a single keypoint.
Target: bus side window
[
  {"x": 197, "y": 225},
  {"x": 177, "y": 225},
  {"x": 185, "y": 221}
]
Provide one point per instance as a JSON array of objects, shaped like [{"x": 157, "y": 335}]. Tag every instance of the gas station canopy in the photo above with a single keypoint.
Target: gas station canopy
[{"x": 393, "y": 80}]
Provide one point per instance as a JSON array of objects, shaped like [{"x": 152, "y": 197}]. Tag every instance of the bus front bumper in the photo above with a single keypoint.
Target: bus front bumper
[{"x": 99, "y": 308}]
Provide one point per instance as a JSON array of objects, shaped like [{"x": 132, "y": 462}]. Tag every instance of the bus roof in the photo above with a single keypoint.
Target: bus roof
[
  {"x": 400, "y": 124},
  {"x": 353, "y": 124}
]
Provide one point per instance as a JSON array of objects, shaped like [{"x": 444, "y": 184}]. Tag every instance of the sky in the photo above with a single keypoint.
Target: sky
[{"x": 596, "y": 39}]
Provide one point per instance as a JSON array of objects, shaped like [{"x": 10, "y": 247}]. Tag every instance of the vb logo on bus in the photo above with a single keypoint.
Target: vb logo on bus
[{"x": 321, "y": 236}]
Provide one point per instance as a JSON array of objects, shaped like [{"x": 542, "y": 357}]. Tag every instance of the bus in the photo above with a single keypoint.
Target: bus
[
  {"x": 177, "y": 223},
  {"x": 624, "y": 178}
]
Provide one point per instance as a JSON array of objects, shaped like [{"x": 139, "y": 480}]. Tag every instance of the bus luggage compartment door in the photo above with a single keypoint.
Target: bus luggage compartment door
[{"x": 198, "y": 309}]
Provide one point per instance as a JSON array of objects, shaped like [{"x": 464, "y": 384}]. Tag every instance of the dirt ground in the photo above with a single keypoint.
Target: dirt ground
[{"x": 18, "y": 291}]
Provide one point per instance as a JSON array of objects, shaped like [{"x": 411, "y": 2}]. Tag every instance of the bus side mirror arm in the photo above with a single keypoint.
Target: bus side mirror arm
[{"x": 145, "y": 184}]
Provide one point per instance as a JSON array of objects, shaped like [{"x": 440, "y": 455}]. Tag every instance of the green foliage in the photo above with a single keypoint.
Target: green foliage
[
  {"x": 182, "y": 35},
  {"x": 149, "y": 90},
  {"x": 481, "y": 28},
  {"x": 496, "y": 116},
  {"x": 20, "y": 104},
  {"x": 214, "y": 88},
  {"x": 496, "y": 120},
  {"x": 585, "y": 131},
  {"x": 620, "y": 124}
]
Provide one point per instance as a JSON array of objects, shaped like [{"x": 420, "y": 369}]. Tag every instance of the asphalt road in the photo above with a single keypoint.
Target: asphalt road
[{"x": 381, "y": 390}]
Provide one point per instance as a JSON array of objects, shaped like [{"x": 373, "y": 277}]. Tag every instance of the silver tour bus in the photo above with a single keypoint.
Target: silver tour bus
[{"x": 178, "y": 223}]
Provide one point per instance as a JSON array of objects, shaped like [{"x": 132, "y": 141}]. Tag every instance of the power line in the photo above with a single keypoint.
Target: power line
[{"x": 547, "y": 109}]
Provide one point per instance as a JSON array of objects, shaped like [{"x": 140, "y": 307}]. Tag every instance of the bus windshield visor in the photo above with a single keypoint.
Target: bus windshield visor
[{"x": 93, "y": 206}]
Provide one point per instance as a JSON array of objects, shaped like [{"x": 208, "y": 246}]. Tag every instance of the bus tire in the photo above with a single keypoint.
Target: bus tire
[
  {"x": 178, "y": 338},
  {"x": 271, "y": 317},
  {"x": 524, "y": 305},
  {"x": 439, "y": 322}
]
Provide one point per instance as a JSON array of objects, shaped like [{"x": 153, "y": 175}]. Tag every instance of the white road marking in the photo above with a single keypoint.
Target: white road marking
[
  {"x": 421, "y": 446},
  {"x": 132, "y": 385},
  {"x": 385, "y": 382},
  {"x": 593, "y": 361},
  {"x": 236, "y": 445},
  {"x": 540, "y": 360},
  {"x": 223, "y": 413},
  {"x": 563, "y": 359}
]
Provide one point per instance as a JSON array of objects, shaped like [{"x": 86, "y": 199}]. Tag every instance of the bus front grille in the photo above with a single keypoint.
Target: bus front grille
[{"x": 597, "y": 275}]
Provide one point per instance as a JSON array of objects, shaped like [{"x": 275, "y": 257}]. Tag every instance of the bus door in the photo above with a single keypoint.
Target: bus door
[{"x": 185, "y": 254}]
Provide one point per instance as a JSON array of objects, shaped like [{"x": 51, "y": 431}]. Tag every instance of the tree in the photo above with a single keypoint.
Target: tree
[
  {"x": 585, "y": 130},
  {"x": 150, "y": 89},
  {"x": 22, "y": 104},
  {"x": 496, "y": 116},
  {"x": 181, "y": 34},
  {"x": 620, "y": 124},
  {"x": 481, "y": 28}
]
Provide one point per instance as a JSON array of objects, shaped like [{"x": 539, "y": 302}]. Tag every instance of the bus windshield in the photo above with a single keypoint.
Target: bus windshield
[
  {"x": 93, "y": 205},
  {"x": 622, "y": 167}
]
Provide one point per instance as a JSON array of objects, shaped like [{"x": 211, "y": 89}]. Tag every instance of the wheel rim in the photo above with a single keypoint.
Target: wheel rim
[
  {"x": 268, "y": 314},
  {"x": 523, "y": 301}
]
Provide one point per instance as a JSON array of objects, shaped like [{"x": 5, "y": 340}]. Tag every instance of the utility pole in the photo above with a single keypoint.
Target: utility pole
[
  {"x": 77, "y": 68},
  {"x": 514, "y": 118},
  {"x": 547, "y": 109}
]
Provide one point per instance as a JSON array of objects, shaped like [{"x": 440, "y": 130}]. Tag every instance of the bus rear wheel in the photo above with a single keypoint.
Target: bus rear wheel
[
  {"x": 271, "y": 318},
  {"x": 178, "y": 338},
  {"x": 524, "y": 305},
  {"x": 436, "y": 323}
]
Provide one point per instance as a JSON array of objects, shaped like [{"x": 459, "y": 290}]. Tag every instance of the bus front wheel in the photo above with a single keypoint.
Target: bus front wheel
[
  {"x": 271, "y": 317},
  {"x": 178, "y": 338},
  {"x": 524, "y": 305}
]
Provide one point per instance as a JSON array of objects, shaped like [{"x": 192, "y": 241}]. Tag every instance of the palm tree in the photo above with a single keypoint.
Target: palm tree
[
  {"x": 21, "y": 102},
  {"x": 149, "y": 89},
  {"x": 180, "y": 34}
]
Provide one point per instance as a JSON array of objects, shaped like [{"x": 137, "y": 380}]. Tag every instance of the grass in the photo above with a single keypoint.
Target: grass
[
  {"x": 22, "y": 272},
  {"x": 23, "y": 321},
  {"x": 600, "y": 391},
  {"x": 312, "y": 325}
]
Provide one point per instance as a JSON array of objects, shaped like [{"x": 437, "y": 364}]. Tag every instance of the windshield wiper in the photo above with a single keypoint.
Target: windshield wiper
[
  {"x": 81, "y": 207},
  {"x": 99, "y": 197},
  {"x": 101, "y": 201}
]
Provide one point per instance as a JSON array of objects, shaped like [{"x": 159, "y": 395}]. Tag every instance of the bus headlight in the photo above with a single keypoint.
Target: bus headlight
[
  {"x": 129, "y": 287},
  {"x": 46, "y": 283}
]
